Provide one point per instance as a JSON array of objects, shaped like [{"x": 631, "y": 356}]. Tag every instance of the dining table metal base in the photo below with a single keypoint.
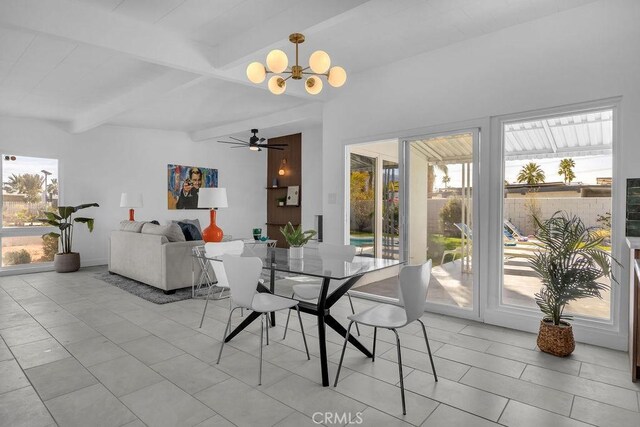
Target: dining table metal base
[{"x": 322, "y": 311}]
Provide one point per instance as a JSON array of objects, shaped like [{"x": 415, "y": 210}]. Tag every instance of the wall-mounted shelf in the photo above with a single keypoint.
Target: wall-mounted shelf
[
  {"x": 279, "y": 224},
  {"x": 276, "y": 188}
]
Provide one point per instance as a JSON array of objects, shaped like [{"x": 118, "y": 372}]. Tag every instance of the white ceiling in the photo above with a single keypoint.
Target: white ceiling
[{"x": 180, "y": 64}]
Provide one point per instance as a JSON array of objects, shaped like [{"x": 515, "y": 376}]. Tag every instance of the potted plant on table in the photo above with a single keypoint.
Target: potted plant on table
[
  {"x": 296, "y": 238},
  {"x": 570, "y": 263},
  {"x": 66, "y": 261}
]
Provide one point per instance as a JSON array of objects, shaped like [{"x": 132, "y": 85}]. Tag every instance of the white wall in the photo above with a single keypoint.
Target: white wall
[
  {"x": 98, "y": 165},
  {"x": 583, "y": 54},
  {"x": 311, "y": 175}
]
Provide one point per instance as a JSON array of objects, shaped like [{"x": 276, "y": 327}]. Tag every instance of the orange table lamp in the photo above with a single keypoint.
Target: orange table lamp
[
  {"x": 131, "y": 200},
  {"x": 212, "y": 198}
]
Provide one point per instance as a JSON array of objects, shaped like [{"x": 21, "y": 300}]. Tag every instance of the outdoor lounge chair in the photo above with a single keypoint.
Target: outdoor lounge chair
[
  {"x": 515, "y": 231},
  {"x": 509, "y": 241}
]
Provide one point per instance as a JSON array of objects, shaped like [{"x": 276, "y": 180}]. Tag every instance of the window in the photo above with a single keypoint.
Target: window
[
  {"x": 30, "y": 187},
  {"x": 556, "y": 163}
]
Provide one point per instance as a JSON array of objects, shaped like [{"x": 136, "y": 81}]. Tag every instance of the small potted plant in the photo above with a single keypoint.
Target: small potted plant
[
  {"x": 66, "y": 261},
  {"x": 281, "y": 200},
  {"x": 570, "y": 263},
  {"x": 296, "y": 238}
]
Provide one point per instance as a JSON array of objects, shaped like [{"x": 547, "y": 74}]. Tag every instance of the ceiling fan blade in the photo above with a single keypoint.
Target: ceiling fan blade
[
  {"x": 277, "y": 145},
  {"x": 261, "y": 140},
  {"x": 235, "y": 143},
  {"x": 272, "y": 148},
  {"x": 240, "y": 146},
  {"x": 238, "y": 139}
]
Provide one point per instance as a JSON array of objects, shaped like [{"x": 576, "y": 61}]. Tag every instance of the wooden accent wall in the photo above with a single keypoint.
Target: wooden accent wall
[{"x": 278, "y": 216}]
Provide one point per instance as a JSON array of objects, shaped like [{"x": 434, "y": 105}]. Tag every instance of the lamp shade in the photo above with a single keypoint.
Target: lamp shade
[
  {"x": 212, "y": 198},
  {"x": 337, "y": 76},
  {"x": 319, "y": 62},
  {"x": 313, "y": 85},
  {"x": 256, "y": 72},
  {"x": 131, "y": 200},
  {"x": 277, "y": 85},
  {"x": 277, "y": 61}
]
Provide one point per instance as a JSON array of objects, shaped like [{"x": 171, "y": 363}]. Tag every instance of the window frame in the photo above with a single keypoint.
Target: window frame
[{"x": 26, "y": 231}]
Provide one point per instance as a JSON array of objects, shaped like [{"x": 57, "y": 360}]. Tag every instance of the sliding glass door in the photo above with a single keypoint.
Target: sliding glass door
[{"x": 440, "y": 216}]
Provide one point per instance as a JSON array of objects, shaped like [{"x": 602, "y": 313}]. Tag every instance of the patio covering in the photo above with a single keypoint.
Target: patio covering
[{"x": 588, "y": 133}]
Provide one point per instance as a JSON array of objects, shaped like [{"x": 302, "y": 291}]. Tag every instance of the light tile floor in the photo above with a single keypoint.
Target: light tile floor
[{"x": 77, "y": 351}]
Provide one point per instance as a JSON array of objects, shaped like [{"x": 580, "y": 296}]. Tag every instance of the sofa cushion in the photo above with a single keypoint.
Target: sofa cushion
[
  {"x": 131, "y": 226},
  {"x": 190, "y": 231},
  {"x": 172, "y": 232}
]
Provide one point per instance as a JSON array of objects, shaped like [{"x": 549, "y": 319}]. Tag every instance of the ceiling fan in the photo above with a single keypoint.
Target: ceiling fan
[{"x": 255, "y": 143}]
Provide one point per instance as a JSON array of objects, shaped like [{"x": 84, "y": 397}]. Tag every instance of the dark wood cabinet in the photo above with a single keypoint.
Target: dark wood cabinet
[{"x": 278, "y": 216}]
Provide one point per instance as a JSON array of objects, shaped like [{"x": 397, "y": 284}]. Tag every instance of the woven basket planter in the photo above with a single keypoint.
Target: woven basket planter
[{"x": 556, "y": 340}]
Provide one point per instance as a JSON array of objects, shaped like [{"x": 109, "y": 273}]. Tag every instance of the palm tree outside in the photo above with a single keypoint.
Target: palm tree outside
[
  {"x": 566, "y": 170},
  {"x": 28, "y": 184},
  {"x": 531, "y": 174}
]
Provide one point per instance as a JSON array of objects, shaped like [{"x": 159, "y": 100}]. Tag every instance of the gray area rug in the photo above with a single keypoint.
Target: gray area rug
[{"x": 142, "y": 290}]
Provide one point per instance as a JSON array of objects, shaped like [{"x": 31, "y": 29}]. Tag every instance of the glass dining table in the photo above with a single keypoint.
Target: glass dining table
[{"x": 327, "y": 269}]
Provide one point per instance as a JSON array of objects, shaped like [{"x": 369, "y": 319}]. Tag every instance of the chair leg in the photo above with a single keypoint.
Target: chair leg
[
  {"x": 375, "y": 333},
  {"x": 261, "y": 335},
  {"x": 404, "y": 408},
  {"x": 353, "y": 311},
  {"x": 433, "y": 367},
  {"x": 286, "y": 327},
  {"x": 304, "y": 338},
  {"x": 344, "y": 347},
  {"x": 206, "y": 302},
  {"x": 226, "y": 332},
  {"x": 268, "y": 324}
]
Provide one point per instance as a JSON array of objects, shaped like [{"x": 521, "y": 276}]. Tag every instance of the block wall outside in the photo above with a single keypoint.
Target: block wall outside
[{"x": 518, "y": 211}]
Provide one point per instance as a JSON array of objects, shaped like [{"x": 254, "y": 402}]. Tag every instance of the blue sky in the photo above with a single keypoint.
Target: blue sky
[
  {"x": 587, "y": 169},
  {"x": 30, "y": 165}
]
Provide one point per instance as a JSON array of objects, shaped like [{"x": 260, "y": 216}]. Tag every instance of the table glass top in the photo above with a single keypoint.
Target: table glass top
[{"x": 312, "y": 264}]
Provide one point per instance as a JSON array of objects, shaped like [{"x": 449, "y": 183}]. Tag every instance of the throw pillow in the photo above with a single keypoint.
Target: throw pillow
[
  {"x": 195, "y": 222},
  {"x": 190, "y": 231},
  {"x": 172, "y": 232},
  {"x": 131, "y": 226}
]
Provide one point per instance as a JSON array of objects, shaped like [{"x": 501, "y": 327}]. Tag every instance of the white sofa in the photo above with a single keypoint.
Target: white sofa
[{"x": 152, "y": 259}]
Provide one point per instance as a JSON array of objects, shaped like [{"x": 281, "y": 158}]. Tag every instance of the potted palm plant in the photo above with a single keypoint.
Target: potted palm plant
[
  {"x": 66, "y": 261},
  {"x": 296, "y": 238},
  {"x": 571, "y": 261}
]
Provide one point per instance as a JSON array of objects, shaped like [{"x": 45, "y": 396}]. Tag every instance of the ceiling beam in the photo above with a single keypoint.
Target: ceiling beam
[
  {"x": 82, "y": 23},
  {"x": 292, "y": 115},
  {"x": 85, "y": 24},
  {"x": 163, "y": 85}
]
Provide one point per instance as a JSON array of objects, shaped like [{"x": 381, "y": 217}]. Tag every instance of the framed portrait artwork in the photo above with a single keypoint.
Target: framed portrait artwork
[{"x": 184, "y": 182}]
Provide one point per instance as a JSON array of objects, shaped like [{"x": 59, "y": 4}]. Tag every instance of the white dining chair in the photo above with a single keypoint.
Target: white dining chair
[
  {"x": 214, "y": 250},
  {"x": 311, "y": 291},
  {"x": 243, "y": 274},
  {"x": 414, "y": 281}
]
